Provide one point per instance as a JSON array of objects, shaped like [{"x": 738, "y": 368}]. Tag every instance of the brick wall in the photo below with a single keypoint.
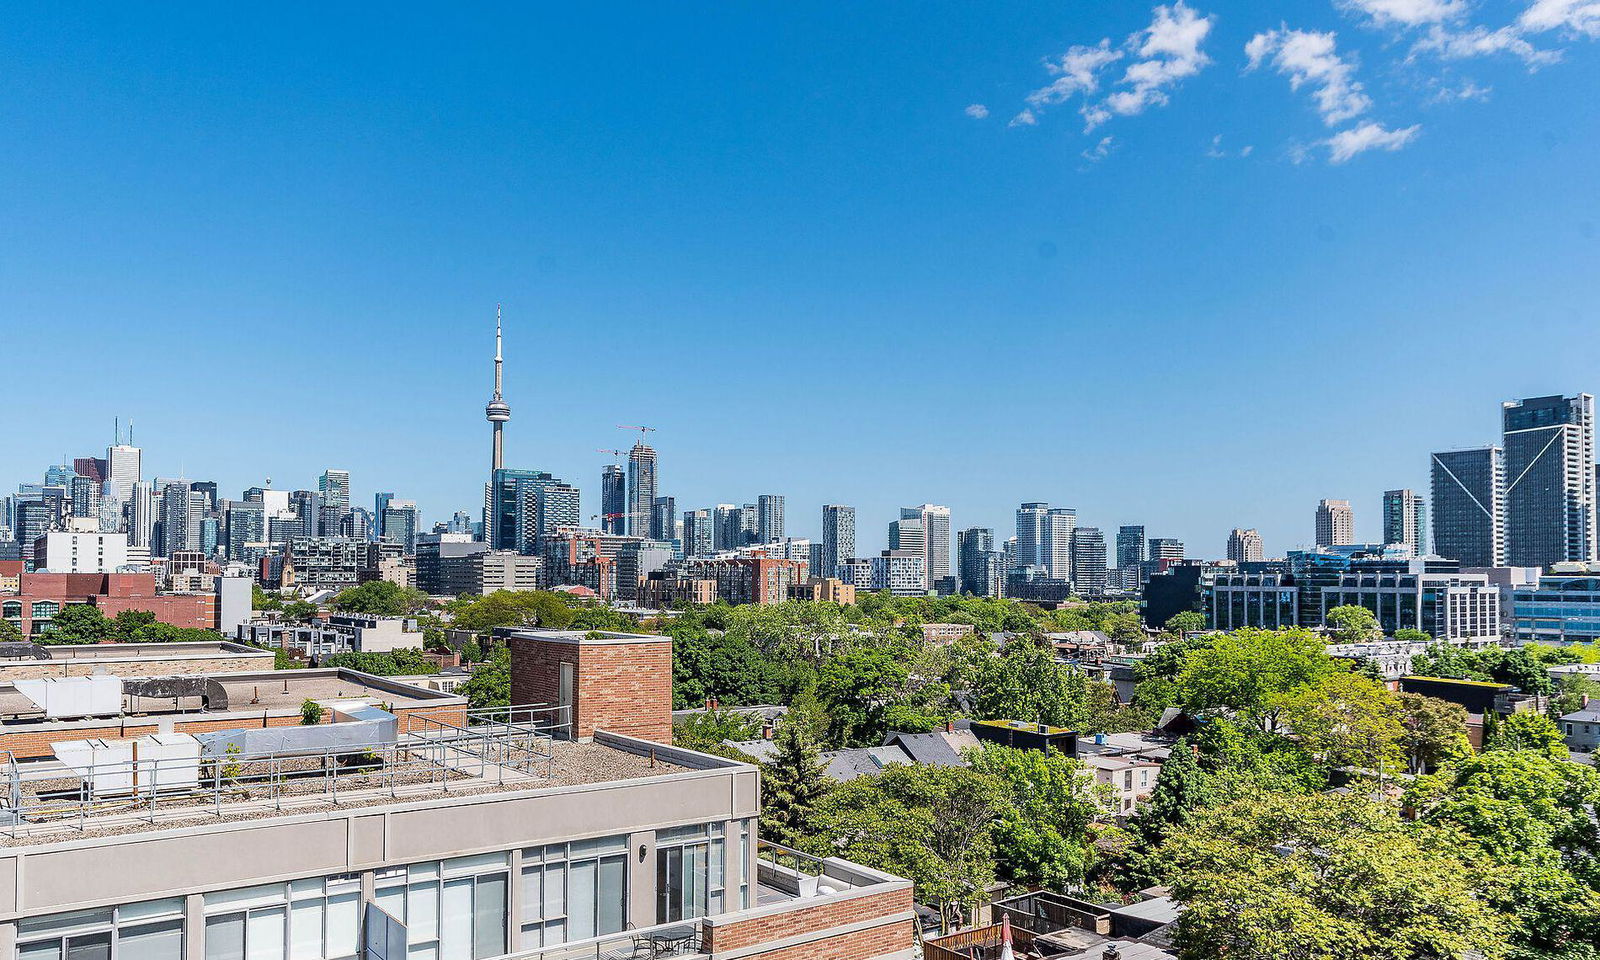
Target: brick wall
[
  {"x": 816, "y": 926},
  {"x": 191, "y": 665},
  {"x": 623, "y": 687}
]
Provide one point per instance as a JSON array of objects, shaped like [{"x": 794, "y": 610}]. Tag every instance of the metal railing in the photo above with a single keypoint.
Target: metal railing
[
  {"x": 682, "y": 939},
  {"x": 431, "y": 756}
]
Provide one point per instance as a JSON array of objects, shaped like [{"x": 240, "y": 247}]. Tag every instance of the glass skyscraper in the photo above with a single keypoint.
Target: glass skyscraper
[{"x": 1550, "y": 480}]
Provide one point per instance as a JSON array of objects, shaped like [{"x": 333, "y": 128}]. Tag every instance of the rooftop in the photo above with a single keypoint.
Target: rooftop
[{"x": 135, "y": 651}]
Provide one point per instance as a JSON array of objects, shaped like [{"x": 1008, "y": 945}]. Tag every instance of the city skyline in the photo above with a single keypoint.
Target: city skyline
[{"x": 316, "y": 276}]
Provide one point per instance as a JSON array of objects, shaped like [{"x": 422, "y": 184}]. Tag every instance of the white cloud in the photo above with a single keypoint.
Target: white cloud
[
  {"x": 1468, "y": 90},
  {"x": 1461, "y": 44},
  {"x": 1574, "y": 16},
  {"x": 1167, "y": 51},
  {"x": 1023, "y": 119},
  {"x": 1406, "y": 13},
  {"x": 976, "y": 111},
  {"x": 1216, "y": 151},
  {"x": 1310, "y": 57},
  {"x": 1369, "y": 136},
  {"x": 1099, "y": 151},
  {"x": 1076, "y": 72}
]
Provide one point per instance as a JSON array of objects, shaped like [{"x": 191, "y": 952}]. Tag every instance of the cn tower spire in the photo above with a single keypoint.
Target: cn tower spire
[{"x": 498, "y": 411}]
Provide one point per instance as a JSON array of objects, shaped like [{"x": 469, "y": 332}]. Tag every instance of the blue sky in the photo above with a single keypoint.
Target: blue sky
[{"x": 778, "y": 234}]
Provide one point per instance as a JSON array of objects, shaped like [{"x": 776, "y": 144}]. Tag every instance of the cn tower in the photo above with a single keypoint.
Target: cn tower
[{"x": 498, "y": 411}]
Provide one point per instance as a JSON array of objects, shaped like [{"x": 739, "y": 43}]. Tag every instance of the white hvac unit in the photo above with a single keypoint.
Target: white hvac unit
[
  {"x": 161, "y": 761},
  {"x": 69, "y": 698}
]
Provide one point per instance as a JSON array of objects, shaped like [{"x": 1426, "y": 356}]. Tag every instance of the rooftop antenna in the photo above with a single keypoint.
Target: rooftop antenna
[
  {"x": 116, "y": 430},
  {"x": 130, "y": 433}
]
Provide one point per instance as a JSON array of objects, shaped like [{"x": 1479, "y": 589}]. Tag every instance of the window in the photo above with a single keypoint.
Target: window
[
  {"x": 574, "y": 891},
  {"x": 315, "y": 919},
  {"x": 11, "y": 608},
  {"x": 135, "y": 931},
  {"x": 452, "y": 909},
  {"x": 45, "y": 608},
  {"x": 689, "y": 872}
]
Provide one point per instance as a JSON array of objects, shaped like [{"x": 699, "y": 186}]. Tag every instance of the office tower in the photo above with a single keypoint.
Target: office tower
[
  {"x": 613, "y": 500},
  {"x": 1088, "y": 561},
  {"x": 512, "y": 518},
  {"x": 749, "y": 519},
  {"x": 380, "y": 502},
  {"x": 1405, "y": 520},
  {"x": 1550, "y": 480},
  {"x": 84, "y": 493},
  {"x": 663, "y": 518},
  {"x": 1165, "y": 548},
  {"x": 936, "y": 538},
  {"x": 401, "y": 524},
  {"x": 546, "y": 505},
  {"x": 699, "y": 538},
  {"x": 209, "y": 489},
  {"x": 497, "y": 412},
  {"x": 246, "y": 523},
  {"x": 769, "y": 518},
  {"x": 92, "y": 467},
  {"x": 1033, "y": 536},
  {"x": 1336, "y": 523},
  {"x": 358, "y": 524},
  {"x": 460, "y": 522},
  {"x": 971, "y": 544},
  {"x": 334, "y": 487},
  {"x": 35, "y": 518},
  {"x": 1130, "y": 546},
  {"x": 1059, "y": 524},
  {"x": 641, "y": 488},
  {"x": 122, "y": 469},
  {"x": 906, "y": 536},
  {"x": 838, "y": 538},
  {"x": 1244, "y": 546},
  {"x": 726, "y": 529},
  {"x": 182, "y": 507},
  {"x": 1469, "y": 496},
  {"x": 141, "y": 514},
  {"x": 307, "y": 505}
]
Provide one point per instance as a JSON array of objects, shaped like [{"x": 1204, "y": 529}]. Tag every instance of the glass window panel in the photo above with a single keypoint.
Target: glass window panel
[
  {"x": 62, "y": 922},
  {"x": 611, "y": 895},
  {"x": 171, "y": 907},
  {"x": 162, "y": 940},
  {"x": 344, "y": 924},
  {"x": 43, "y": 950},
  {"x": 455, "y": 935},
  {"x": 392, "y": 900},
  {"x": 555, "y": 891},
  {"x": 225, "y": 937},
  {"x": 532, "y": 894},
  {"x": 477, "y": 864},
  {"x": 423, "y": 871},
  {"x": 264, "y": 934},
  {"x": 89, "y": 946},
  {"x": 694, "y": 881},
  {"x": 599, "y": 845},
  {"x": 246, "y": 896},
  {"x": 555, "y": 932},
  {"x": 714, "y": 870},
  {"x": 422, "y": 912},
  {"x": 489, "y": 917},
  {"x": 580, "y": 909},
  {"x": 423, "y": 951},
  {"x": 305, "y": 930},
  {"x": 300, "y": 889}
]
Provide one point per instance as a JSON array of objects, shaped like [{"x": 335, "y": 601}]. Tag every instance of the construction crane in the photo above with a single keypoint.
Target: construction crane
[
  {"x": 642, "y": 430},
  {"x": 614, "y": 453}
]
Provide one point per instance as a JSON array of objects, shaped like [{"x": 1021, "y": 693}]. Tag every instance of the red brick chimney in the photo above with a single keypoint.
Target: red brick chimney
[{"x": 617, "y": 682}]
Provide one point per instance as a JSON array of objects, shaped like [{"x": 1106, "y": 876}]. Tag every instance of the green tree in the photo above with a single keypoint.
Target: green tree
[
  {"x": 1253, "y": 672},
  {"x": 79, "y": 623},
  {"x": 793, "y": 782},
  {"x": 706, "y": 731},
  {"x": 1409, "y": 635},
  {"x": 490, "y": 682},
  {"x": 381, "y": 598},
  {"x": 932, "y": 825},
  {"x": 471, "y": 652},
  {"x": 1185, "y": 621},
  {"x": 1026, "y": 683},
  {"x": 1347, "y": 720},
  {"x": 10, "y": 632},
  {"x": 310, "y": 712},
  {"x": 1436, "y": 732},
  {"x": 405, "y": 661},
  {"x": 1320, "y": 876},
  {"x": 855, "y": 689},
  {"x": 508, "y": 608},
  {"x": 1352, "y": 624},
  {"x": 1526, "y": 730},
  {"x": 1042, "y": 836},
  {"x": 127, "y": 623}
]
